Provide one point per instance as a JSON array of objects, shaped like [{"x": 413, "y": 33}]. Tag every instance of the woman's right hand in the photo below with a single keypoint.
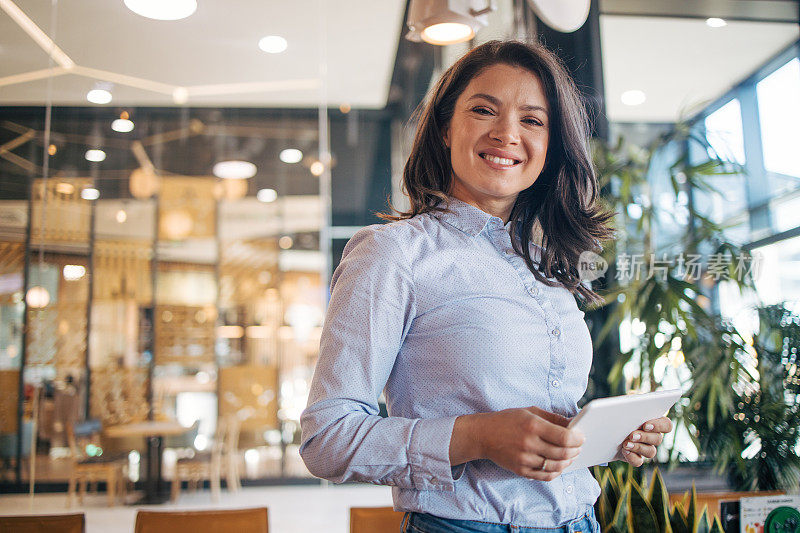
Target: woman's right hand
[{"x": 530, "y": 442}]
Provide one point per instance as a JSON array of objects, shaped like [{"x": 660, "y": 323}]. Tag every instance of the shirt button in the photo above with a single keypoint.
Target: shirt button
[
  {"x": 533, "y": 291},
  {"x": 556, "y": 332},
  {"x": 555, "y": 383},
  {"x": 569, "y": 489}
]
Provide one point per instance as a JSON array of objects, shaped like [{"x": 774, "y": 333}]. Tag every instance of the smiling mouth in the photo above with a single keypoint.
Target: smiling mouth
[{"x": 500, "y": 160}]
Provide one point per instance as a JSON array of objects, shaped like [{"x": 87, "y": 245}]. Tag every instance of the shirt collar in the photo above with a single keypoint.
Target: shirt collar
[{"x": 467, "y": 218}]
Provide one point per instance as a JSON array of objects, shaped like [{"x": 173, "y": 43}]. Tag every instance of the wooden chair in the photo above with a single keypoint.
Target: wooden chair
[
  {"x": 210, "y": 465},
  {"x": 222, "y": 521},
  {"x": 63, "y": 523},
  {"x": 86, "y": 469},
  {"x": 375, "y": 520}
]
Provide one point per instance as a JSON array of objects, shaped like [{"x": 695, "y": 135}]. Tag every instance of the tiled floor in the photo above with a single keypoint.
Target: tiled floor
[{"x": 299, "y": 509}]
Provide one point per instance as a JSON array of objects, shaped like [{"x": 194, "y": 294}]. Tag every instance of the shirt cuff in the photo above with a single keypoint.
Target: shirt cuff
[{"x": 429, "y": 454}]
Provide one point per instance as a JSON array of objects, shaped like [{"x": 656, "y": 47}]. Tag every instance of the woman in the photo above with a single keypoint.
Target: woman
[{"x": 470, "y": 329}]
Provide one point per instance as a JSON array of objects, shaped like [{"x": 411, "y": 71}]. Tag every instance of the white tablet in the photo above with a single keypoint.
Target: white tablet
[{"x": 606, "y": 422}]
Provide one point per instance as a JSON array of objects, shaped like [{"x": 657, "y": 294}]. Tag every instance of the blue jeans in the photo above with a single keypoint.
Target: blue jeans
[{"x": 426, "y": 523}]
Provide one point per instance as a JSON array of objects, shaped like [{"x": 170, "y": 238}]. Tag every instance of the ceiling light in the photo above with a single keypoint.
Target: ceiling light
[
  {"x": 180, "y": 95},
  {"x": 317, "y": 168},
  {"x": 98, "y": 96},
  {"x": 565, "y": 17},
  {"x": 90, "y": 193},
  {"x": 267, "y": 195},
  {"x": 447, "y": 33},
  {"x": 234, "y": 170},
  {"x": 445, "y": 22},
  {"x": 291, "y": 155},
  {"x": 162, "y": 9},
  {"x": 52, "y": 149},
  {"x": 273, "y": 44},
  {"x": 37, "y": 297},
  {"x": 715, "y": 22},
  {"x": 95, "y": 155},
  {"x": 633, "y": 97},
  {"x": 73, "y": 272},
  {"x": 345, "y": 108},
  {"x": 122, "y": 125},
  {"x": 121, "y": 216}
]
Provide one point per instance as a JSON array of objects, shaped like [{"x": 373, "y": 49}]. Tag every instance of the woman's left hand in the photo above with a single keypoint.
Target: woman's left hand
[{"x": 642, "y": 443}]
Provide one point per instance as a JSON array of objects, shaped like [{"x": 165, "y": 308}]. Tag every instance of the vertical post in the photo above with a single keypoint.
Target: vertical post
[
  {"x": 26, "y": 323},
  {"x": 89, "y": 303}
]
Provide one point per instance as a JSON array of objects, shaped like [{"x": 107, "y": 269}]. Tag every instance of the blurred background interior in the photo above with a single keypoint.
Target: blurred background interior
[{"x": 175, "y": 194}]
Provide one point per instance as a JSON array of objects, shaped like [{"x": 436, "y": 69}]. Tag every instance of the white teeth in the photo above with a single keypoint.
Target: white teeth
[{"x": 498, "y": 160}]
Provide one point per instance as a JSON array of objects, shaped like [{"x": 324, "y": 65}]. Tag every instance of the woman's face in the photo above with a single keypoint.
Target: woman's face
[{"x": 498, "y": 137}]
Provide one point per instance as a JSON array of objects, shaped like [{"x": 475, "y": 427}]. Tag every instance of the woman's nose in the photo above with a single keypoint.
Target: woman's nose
[{"x": 505, "y": 131}]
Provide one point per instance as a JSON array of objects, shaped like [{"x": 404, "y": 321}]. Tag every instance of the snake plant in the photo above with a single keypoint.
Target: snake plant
[{"x": 627, "y": 506}]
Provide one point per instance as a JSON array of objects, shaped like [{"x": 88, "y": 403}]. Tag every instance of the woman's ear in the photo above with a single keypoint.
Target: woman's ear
[{"x": 446, "y": 135}]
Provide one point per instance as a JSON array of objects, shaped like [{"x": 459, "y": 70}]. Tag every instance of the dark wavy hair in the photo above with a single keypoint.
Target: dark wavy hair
[{"x": 563, "y": 198}]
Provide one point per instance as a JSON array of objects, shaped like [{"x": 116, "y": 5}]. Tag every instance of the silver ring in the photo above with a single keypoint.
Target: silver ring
[{"x": 544, "y": 464}]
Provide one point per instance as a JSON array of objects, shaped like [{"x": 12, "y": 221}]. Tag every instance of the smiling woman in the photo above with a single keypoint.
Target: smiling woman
[{"x": 469, "y": 328}]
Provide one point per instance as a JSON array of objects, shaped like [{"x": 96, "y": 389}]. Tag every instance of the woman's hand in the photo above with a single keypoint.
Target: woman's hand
[
  {"x": 530, "y": 442},
  {"x": 643, "y": 442}
]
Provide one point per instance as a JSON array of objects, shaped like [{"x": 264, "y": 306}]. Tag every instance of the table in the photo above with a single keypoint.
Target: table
[{"x": 154, "y": 431}]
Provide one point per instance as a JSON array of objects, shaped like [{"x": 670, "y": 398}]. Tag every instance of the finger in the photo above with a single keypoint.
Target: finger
[
  {"x": 646, "y": 438},
  {"x": 538, "y": 475},
  {"x": 552, "y": 452},
  {"x": 632, "y": 458},
  {"x": 557, "y": 435},
  {"x": 543, "y": 464},
  {"x": 658, "y": 425},
  {"x": 550, "y": 417},
  {"x": 645, "y": 450}
]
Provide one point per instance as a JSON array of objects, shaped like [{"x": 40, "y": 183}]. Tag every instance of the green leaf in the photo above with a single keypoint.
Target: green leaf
[
  {"x": 677, "y": 520},
  {"x": 716, "y": 527},
  {"x": 659, "y": 500},
  {"x": 642, "y": 515},
  {"x": 702, "y": 523},
  {"x": 622, "y": 516},
  {"x": 691, "y": 512}
]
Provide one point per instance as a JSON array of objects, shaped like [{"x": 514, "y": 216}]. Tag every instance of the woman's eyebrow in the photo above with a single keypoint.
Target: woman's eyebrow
[{"x": 495, "y": 101}]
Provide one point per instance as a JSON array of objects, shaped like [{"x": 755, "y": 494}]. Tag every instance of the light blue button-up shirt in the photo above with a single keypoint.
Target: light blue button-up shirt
[{"x": 441, "y": 314}]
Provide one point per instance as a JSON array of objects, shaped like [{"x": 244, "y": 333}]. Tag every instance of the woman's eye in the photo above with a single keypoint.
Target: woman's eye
[
  {"x": 532, "y": 121},
  {"x": 482, "y": 110}
]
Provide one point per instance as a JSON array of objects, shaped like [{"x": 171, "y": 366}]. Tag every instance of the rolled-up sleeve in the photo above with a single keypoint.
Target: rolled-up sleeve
[{"x": 343, "y": 438}]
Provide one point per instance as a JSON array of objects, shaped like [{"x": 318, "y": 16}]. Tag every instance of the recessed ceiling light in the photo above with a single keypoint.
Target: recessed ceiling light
[
  {"x": 98, "y": 96},
  {"x": 95, "y": 155},
  {"x": 267, "y": 195},
  {"x": 291, "y": 155},
  {"x": 121, "y": 216},
  {"x": 162, "y": 9},
  {"x": 633, "y": 97},
  {"x": 447, "y": 33},
  {"x": 90, "y": 193},
  {"x": 234, "y": 170},
  {"x": 715, "y": 22},
  {"x": 122, "y": 125},
  {"x": 273, "y": 44}
]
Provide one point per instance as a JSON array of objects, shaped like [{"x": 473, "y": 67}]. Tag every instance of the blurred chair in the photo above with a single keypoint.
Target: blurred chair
[
  {"x": 185, "y": 440},
  {"x": 210, "y": 465},
  {"x": 8, "y": 446},
  {"x": 222, "y": 521},
  {"x": 87, "y": 468},
  {"x": 375, "y": 520},
  {"x": 64, "y": 523}
]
